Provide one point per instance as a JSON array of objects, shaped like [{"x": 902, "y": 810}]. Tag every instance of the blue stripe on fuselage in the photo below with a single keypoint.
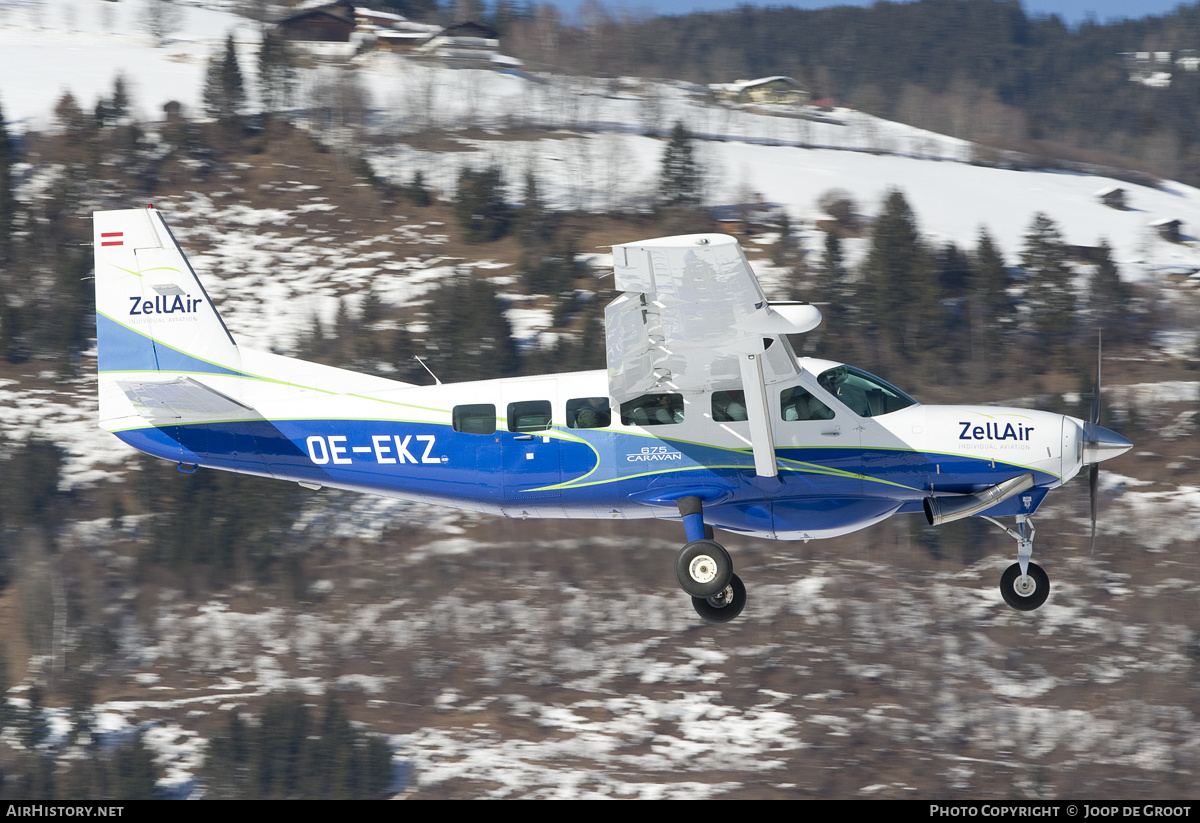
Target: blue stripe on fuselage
[{"x": 582, "y": 470}]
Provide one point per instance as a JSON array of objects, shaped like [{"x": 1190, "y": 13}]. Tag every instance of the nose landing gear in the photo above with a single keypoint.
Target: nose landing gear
[
  {"x": 1025, "y": 592},
  {"x": 1024, "y": 585}
]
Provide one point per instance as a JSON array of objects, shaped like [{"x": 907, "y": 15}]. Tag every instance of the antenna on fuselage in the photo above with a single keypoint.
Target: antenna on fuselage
[{"x": 426, "y": 368}]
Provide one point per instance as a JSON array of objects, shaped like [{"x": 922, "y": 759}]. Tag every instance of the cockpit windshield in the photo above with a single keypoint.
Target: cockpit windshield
[{"x": 865, "y": 394}]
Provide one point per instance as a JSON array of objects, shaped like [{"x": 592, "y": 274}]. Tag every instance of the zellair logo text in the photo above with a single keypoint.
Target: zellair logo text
[
  {"x": 165, "y": 304},
  {"x": 992, "y": 431}
]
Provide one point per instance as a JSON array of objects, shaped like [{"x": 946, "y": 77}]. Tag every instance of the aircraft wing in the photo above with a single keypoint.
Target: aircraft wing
[{"x": 693, "y": 318}]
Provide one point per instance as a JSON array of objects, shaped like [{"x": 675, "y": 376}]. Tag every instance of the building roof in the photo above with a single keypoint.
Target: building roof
[
  {"x": 470, "y": 28},
  {"x": 342, "y": 12},
  {"x": 742, "y": 85},
  {"x": 381, "y": 16}
]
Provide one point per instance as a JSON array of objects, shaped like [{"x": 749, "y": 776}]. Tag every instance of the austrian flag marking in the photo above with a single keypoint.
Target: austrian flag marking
[{"x": 105, "y": 234}]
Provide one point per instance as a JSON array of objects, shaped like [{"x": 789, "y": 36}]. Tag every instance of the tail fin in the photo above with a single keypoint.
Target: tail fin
[{"x": 152, "y": 313}]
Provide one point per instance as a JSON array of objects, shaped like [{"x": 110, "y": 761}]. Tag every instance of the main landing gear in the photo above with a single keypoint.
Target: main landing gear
[
  {"x": 704, "y": 569},
  {"x": 1024, "y": 585}
]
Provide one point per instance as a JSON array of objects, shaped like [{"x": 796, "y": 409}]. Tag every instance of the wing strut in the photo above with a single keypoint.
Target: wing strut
[{"x": 761, "y": 438}]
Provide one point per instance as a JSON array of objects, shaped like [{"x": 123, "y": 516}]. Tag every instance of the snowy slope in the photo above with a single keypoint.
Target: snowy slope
[
  {"x": 48, "y": 47},
  {"x": 81, "y": 46}
]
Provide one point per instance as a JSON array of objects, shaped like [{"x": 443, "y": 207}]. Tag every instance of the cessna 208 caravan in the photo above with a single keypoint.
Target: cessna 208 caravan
[{"x": 704, "y": 415}]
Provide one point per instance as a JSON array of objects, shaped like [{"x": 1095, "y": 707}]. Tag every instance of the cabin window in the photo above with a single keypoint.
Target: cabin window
[
  {"x": 797, "y": 403},
  {"x": 479, "y": 418},
  {"x": 588, "y": 413},
  {"x": 865, "y": 394},
  {"x": 653, "y": 410},
  {"x": 529, "y": 416},
  {"x": 729, "y": 406}
]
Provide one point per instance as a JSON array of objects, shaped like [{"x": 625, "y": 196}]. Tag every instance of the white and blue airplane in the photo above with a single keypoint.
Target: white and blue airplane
[{"x": 704, "y": 415}]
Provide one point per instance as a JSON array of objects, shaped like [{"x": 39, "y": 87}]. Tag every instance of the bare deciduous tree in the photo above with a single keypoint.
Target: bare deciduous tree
[
  {"x": 840, "y": 205},
  {"x": 161, "y": 19}
]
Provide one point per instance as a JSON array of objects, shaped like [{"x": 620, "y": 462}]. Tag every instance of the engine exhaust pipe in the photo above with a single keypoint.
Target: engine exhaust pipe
[{"x": 939, "y": 510}]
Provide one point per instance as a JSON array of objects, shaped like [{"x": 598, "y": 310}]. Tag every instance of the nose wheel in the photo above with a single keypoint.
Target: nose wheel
[{"x": 1024, "y": 592}]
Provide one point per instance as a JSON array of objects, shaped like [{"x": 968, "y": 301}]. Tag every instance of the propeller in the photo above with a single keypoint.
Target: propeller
[
  {"x": 1099, "y": 443},
  {"x": 1089, "y": 434}
]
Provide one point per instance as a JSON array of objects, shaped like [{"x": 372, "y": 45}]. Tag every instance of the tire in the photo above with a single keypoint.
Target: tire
[
  {"x": 1024, "y": 601},
  {"x": 714, "y": 613},
  {"x": 703, "y": 568}
]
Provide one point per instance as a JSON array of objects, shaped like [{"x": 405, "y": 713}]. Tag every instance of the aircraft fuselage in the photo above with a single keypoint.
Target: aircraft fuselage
[{"x": 837, "y": 475}]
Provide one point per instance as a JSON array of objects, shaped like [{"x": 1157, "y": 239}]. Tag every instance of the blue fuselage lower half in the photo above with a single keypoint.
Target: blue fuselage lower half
[{"x": 821, "y": 491}]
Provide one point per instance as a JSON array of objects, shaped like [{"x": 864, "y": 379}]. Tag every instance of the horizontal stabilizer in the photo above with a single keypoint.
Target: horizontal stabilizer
[{"x": 183, "y": 400}]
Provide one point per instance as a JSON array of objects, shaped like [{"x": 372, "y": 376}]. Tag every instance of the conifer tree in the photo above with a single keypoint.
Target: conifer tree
[
  {"x": 33, "y": 728},
  {"x": 276, "y": 73},
  {"x": 8, "y": 203},
  {"x": 418, "y": 192},
  {"x": 286, "y": 755},
  {"x": 532, "y": 218},
  {"x": 224, "y": 89},
  {"x": 479, "y": 204},
  {"x": 990, "y": 311},
  {"x": 831, "y": 278},
  {"x": 133, "y": 776},
  {"x": 679, "y": 179},
  {"x": 900, "y": 292},
  {"x": 785, "y": 250},
  {"x": 120, "y": 98},
  {"x": 1110, "y": 297},
  {"x": 368, "y": 347},
  {"x": 472, "y": 335},
  {"x": 1049, "y": 293}
]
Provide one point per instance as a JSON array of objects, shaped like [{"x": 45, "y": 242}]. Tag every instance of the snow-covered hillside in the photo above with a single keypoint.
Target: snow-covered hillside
[
  {"x": 606, "y": 163},
  {"x": 48, "y": 47}
]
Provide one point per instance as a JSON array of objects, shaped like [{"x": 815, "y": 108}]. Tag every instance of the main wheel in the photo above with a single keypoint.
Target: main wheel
[
  {"x": 725, "y": 606},
  {"x": 703, "y": 568},
  {"x": 1024, "y": 594}
]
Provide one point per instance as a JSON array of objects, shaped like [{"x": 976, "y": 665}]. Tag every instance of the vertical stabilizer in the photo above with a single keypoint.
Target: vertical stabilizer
[{"x": 152, "y": 313}]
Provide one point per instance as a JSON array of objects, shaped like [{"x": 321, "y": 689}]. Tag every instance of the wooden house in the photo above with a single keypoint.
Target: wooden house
[{"x": 771, "y": 91}]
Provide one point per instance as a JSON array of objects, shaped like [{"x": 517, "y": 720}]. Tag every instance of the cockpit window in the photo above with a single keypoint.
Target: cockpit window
[
  {"x": 798, "y": 404},
  {"x": 865, "y": 394}
]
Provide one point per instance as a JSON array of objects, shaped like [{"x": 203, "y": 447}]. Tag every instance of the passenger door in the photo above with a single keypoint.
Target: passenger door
[{"x": 530, "y": 454}]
